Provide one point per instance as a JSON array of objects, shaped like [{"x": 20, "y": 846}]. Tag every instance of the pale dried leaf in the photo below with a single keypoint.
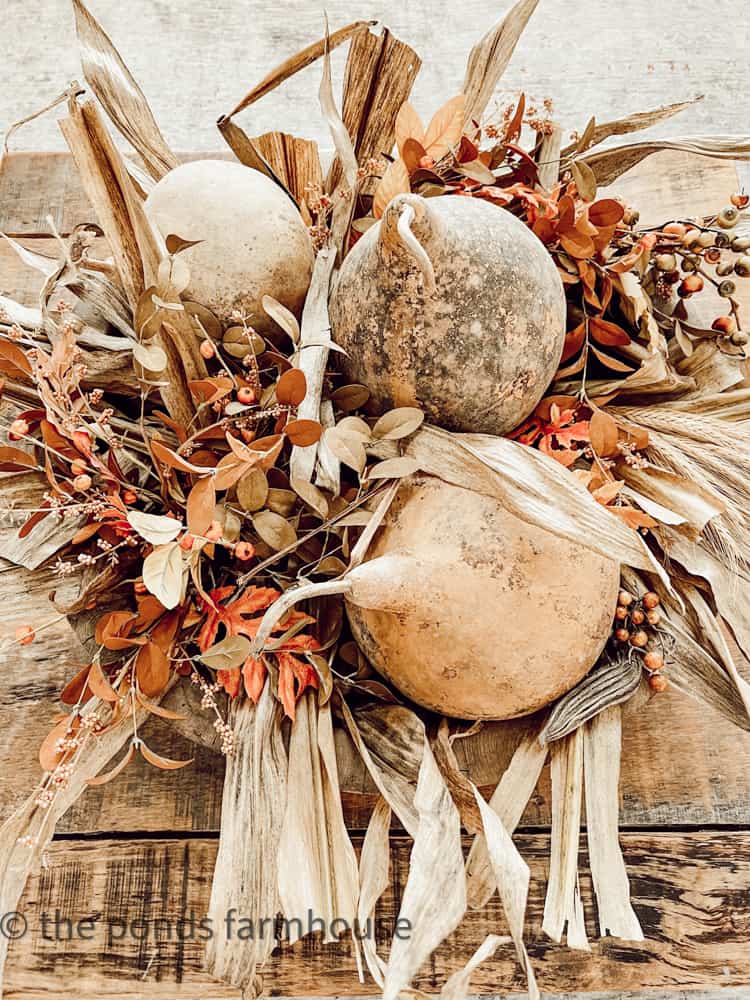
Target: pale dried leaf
[
  {"x": 274, "y": 530},
  {"x": 164, "y": 574},
  {"x": 158, "y": 529}
]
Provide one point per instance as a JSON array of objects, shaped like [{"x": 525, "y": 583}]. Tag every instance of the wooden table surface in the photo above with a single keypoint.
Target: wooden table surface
[{"x": 143, "y": 848}]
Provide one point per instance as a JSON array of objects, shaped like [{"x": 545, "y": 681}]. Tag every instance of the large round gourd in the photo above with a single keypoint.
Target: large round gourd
[
  {"x": 476, "y": 338},
  {"x": 475, "y": 614},
  {"x": 253, "y": 240}
]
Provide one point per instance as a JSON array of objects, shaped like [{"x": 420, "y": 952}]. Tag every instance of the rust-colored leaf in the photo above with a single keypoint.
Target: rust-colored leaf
[
  {"x": 113, "y": 630},
  {"x": 168, "y": 457},
  {"x": 49, "y": 755},
  {"x": 73, "y": 692},
  {"x": 107, "y": 776},
  {"x": 444, "y": 131},
  {"x": 152, "y": 670},
  {"x": 603, "y": 433},
  {"x": 607, "y": 334},
  {"x": 408, "y": 126},
  {"x": 165, "y": 763},
  {"x": 394, "y": 181},
  {"x": 291, "y": 388},
  {"x": 303, "y": 433},
  {"x": 16, "y": 460},
  {"x": 100, "y": 685},
  {"x": 606, "y": 212},
  {"x": 200, "y": 506}
]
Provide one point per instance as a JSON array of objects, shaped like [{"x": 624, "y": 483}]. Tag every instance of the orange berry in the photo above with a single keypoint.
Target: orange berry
[
  {"x": 653, "y": 661},
  {"x": 689, "y": 285},
  {"x": 622, "y": 635},
  {"x": 82, "y": 483},
  {"x": 740, "y": 200},
  {"x": 25, "y": 635},
  {"x": 244, "y": 551},
  {"x": 140, "y": 587},
  {"x": 675, "y": 229},
  {"x": 246, "y": 395},
  {"x": 651, "y": 600},
  {"x": 657, "y": 683},
  {"x": 637, "y": 617},
  {"x": 624, "y": 598},
  {"x": 621, "y": 613},
  {"x": 129, "y": 496},
  {"x": 18, "y": 429},
  {"x": 77, "y": 468},
  {"x": 725, "y": 324},
  {"x": 215, "y": 532},
  {"x": 207, "y": 349},
  {"x": 653, "y": 617},
  {"x": 186, "y": 542},
  {"x": 639, "y": 639}
]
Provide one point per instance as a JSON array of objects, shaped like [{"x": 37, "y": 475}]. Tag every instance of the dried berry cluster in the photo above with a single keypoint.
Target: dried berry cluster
[{"x": 637, "y": 621}]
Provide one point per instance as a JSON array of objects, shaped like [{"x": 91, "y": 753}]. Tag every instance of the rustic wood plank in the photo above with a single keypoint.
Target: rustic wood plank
[{"x": 690, "y": 892}]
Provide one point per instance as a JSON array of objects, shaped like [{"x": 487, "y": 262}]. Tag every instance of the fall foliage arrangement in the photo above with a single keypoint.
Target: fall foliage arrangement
[{"x": 317, "y": 449}]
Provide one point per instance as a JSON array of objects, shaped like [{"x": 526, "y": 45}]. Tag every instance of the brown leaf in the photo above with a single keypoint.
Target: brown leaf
[
  {"x": 350, "y": 397},
  {"x": 99, "y": 684},
  {"x": 152, "y": 670},
  {"x": 444, "y": 131},
  {"x": 113, "y": 630},
  {"x": 609, "y": 362},
  {"x": 73, "y": 692},
  {"x": 585, "y": 179},
  {"x": 165, "y": 763},
  {"x": 291, "y": 387},
  {"x": 13, "y": 360},
  {"x": 303, "y": 433},
  {"x": 102, "y": 779},
  {"x": 15, "y": 460},
  {"x": 200, "y": 506},
  {"x": 168, "y": 457},
  {"x": 606, "y": 212},
  {"x": 158, "y": 710},
  {"x": 603, "y": 433},
  {"x": 394, "y": 181},
  {"x": 408, "y": 126},
  {"x": 49, "y": 756},
  {"x": 607, "y": 334}
]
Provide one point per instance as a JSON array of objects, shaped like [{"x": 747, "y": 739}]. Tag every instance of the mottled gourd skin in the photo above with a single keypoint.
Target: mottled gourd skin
[
  {"x": 254, "y": 241},
  {"x": 476, "y": 353},
  {"x": 500, "y": 617}
]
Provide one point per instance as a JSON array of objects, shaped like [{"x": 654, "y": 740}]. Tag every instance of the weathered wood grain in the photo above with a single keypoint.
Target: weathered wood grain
[{"x": 690, "y": 892}]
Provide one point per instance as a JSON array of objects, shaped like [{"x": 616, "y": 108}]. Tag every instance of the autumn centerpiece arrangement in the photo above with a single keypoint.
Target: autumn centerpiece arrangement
[{"x": 320, "y": 450}]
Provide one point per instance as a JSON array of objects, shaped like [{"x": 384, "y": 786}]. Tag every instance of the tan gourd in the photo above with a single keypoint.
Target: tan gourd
[
  {"x": 253, "y": 239},
  {"x": 451, "y": 304},
  {"x": 469, "y": 611}
]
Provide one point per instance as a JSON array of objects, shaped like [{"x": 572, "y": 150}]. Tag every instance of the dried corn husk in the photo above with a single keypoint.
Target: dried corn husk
[
  {"x": 489, "y": 58},
  {"x": 252, "y": 814},
  {"x": 609, "y": 164},
  {"x": 563, "y": 906},
  {"x": 122, "y": 98},
  {"x": 601, "y": 752}
]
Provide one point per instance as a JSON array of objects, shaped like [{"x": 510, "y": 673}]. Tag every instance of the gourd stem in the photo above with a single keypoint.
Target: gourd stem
[
  {"x": 412, "y": 244},
  {"x": 287, "y": 601}
]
